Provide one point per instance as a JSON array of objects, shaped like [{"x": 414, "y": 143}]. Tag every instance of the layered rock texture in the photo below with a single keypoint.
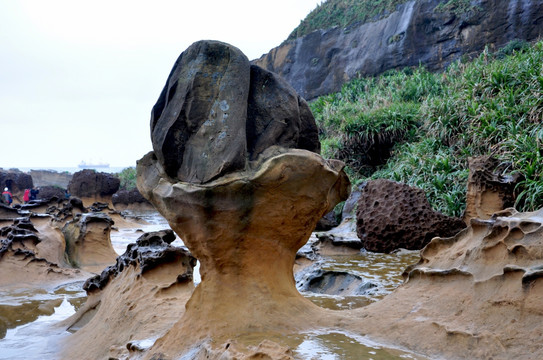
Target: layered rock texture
[
  {"x": 477, "y": 295},
  {"x": 132, "y": 301},
  {"x": 490, "y": 188},
  {"x": 416, "y": 33},
  {"x": 50, "y": 178},
  {"x": 236, "y": 173},
  {"x": 88, "y": 243},
  {"x": 391, "y": 215}
]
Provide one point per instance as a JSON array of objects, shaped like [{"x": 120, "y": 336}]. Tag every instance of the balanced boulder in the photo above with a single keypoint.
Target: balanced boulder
[{"x": 217, "y": 112}]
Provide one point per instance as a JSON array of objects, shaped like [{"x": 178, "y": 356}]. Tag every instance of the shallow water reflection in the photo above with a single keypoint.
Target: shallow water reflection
[
  {"x": 382, "y": 270},
  {"x": 340, "y": 345}
]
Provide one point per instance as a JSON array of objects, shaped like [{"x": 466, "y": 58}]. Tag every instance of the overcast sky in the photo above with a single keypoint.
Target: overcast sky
[{"x": 78, "y": 79}]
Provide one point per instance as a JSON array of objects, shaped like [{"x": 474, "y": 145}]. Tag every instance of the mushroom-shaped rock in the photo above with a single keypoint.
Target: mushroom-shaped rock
[{"x": 236, "y": 172}]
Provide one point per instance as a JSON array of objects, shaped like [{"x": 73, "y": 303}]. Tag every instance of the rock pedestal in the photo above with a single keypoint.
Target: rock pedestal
[
  {"x": 236, "y": 172},
  {"x": 245, "y": 230}
]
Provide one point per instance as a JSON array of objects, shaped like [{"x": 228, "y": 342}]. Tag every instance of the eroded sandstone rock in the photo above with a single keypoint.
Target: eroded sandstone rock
[
  {"x": 150, "y": 250},
  {"x": 217, "y": 112},
  {"x": 475, "y": 295},
  {"x": 88, "y": 243},
  {"x": 93, "y": 185},
  {"x": 391, "y": 215},
  {"x": 243, "y": 213},
  {"x": 490, "y": 188}
]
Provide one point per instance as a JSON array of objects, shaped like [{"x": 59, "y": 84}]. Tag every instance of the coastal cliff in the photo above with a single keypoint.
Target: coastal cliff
[{"x": 417, "y": 32}]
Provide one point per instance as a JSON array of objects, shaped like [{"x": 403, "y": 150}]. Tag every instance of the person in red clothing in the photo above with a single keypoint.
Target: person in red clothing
[
  {"x": 7, "y": 197},
  {"x": 26, "y": 196}
]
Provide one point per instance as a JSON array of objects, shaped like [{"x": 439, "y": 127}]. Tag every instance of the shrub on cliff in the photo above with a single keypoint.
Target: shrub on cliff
[
  {"x": 492, "y": 105},
  {"x": 128, "y": 178}
]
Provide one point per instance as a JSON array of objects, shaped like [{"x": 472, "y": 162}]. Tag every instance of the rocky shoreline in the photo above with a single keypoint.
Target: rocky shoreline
[{"x": 245, "y": 192}]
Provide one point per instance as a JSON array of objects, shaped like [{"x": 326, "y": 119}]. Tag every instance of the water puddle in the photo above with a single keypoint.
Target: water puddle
[
  {"x": 27, "y": 319},
  {"x": 383, "y": 271},
  {"x": 341, "y": 345}
]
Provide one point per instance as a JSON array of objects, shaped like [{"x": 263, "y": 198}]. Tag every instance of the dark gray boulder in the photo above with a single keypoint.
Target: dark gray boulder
[
  {"x": 198, "y": 122},
  {"x": 89, "y": 183},
  {"x": 217, "y": 113},
  {"x": 277, "y": 115}
]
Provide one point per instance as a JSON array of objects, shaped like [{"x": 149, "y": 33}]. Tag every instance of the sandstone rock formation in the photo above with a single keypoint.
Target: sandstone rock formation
[
  {"x": 477, "y": 295},
  {"x": 48, "y": 192},
  {"x": 132, "y": 301},
  {"x": 416, "y": 33},
  {"x": 32, "y": 253},
  {"x": 88, "y": 244},
  {"x": 130, "y": 199},
  {"x": 16, "y": 181},
  {"x": 216, "y": 112},
  {"x": 43, "y": 178},
  {"x": 232, "y": 174},
  {"x": 92, "y": 186},
  {"x": 391, "y": 215},
  {"x": 490, "y": 189}
]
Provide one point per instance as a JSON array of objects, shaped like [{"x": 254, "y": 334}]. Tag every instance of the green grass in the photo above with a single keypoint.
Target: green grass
[
  {"x": 343, "y": 13},
  {"x": 434, "y": 122}
]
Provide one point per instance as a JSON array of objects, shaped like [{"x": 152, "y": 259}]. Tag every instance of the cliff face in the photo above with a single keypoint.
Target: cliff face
[{"x": 320, "y": 62}]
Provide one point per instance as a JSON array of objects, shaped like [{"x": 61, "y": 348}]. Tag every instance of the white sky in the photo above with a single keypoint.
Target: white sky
[{"x": 78, "y": 78}]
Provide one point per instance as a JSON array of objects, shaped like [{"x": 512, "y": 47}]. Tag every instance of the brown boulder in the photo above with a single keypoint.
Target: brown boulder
[
  {"x": 92, "y": 184},
  {"x": 391, "y": 215}
]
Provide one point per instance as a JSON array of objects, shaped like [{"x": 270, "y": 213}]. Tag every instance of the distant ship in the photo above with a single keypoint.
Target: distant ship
[{"x": 85, "y": 165}]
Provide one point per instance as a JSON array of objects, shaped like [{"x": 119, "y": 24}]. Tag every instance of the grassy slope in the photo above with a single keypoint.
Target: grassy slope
[
  {"x": 492, "y": 105},
  {"x": 343, "y": 13}
]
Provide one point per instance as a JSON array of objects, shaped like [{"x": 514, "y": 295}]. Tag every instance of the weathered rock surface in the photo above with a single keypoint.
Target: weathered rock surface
[
  {"x": 43, "y": 178},
  {"x": 132, "y": 302},
  {"x": 150, "y": 250},
  {"x": 391, "y": 215},
  {"x": 94, "y": 185},
  {"x": 333, "y": 283},
  {"x": 217, "y": 112},
  {"x": 124, "y": 199},
  {"x": 49, "y": 192},
  {"x": 246, "y": 242},
  {"x": 16, "y": 181},
  {"x": 277, "y": 115},
  {"x": 32, "y": 253},
  {"x": 88, "y": 243},
  {"x": 472, "y": 296},
  {"x": 490, "y": 190},
  {"x": 320, "y": 62}
]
